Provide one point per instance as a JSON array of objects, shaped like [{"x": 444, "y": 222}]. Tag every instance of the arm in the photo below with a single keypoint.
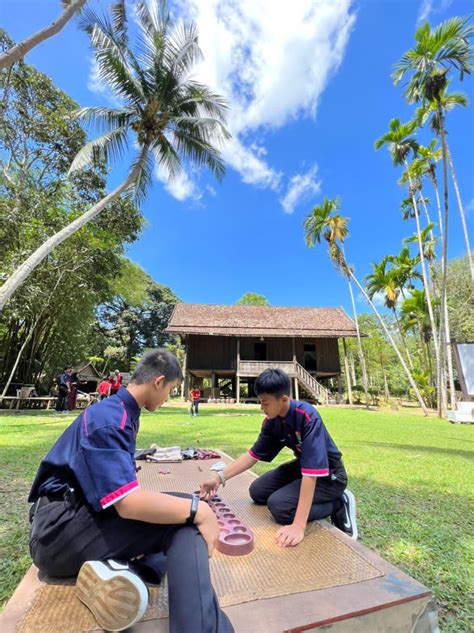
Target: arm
[
  {"x": 163, "y": 509},
  {"x": 242, "y": 463},
  {"x": 291, "y": 535}
]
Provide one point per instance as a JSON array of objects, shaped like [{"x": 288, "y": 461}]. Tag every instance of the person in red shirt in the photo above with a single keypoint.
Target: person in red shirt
[
  {"x": 195, "y": 394},
  {"x": 104, "y": 388},
  {"x": 116, "y": 382}
]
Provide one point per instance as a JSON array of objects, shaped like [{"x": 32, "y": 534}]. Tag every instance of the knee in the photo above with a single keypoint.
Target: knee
[
  {"x": 256, "y": 493},
  {"x": 283, "y": 513}
]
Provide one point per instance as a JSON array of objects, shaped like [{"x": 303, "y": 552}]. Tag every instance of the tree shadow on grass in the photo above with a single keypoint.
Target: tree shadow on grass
[{"x": 468, "y": 454}]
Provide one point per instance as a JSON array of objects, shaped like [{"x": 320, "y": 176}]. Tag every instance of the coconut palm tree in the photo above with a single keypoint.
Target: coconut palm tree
[
  {"x": 401, "y": 143},
  {"x": 166, "y": 115},
  {"x": 16, "y": 52},
  {"x": 324, "y": 222},
  {"x": 436, "y": 52}
]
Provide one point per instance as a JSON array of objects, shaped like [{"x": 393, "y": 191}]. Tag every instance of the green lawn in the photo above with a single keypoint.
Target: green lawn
[{"x": 412, "y": 477}]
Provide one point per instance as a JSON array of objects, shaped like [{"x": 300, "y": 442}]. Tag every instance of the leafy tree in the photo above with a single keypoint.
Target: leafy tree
[
  {"x": 169, "y": 115},
  {"x": 252, "y": 299}
]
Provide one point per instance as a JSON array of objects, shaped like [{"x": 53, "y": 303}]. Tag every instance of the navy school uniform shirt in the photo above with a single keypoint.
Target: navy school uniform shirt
[
  {"x": 302, "y": 430},
  {"x": 94, "y": 455}
]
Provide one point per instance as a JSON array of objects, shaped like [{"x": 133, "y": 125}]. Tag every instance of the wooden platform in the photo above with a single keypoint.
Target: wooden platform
[{"x": 363, "y": 594}]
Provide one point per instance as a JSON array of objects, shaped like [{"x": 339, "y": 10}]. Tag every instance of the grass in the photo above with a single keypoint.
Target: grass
[{"x": 412, "y": 477}]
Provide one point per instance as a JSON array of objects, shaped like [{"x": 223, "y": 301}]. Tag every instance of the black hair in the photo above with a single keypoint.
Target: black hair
[
  {"x": 274, "y": 382},
  {"x": 158, "y": 362}
]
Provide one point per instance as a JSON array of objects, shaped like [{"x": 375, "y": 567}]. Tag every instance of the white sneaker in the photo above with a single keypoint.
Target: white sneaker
[
  {"x": 116, "y": 597},
  {"x": 345, "y": 518}
]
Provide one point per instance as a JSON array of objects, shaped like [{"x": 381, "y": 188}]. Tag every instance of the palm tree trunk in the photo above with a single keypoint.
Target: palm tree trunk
[
  {"x": 461, "y": 212},
  {"x": 19, "y": 50},
  {"x": 392, "y": 342},
  {"x": 428, "y": 219},
  {"x": 442, "y": 402},
  {"x": 425, "y": 281},
  {"x": 359, "y": 348},
  {"x": 402, "y": 336},
  {"x": 346, "y": 369},
  {"x": 21, "y": 273},
  {"x": 385, "y": 386},
  {"x": 449, "y": 356}
]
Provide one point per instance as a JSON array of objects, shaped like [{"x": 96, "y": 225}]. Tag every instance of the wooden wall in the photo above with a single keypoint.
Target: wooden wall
[{"x": 220, "y": 352}]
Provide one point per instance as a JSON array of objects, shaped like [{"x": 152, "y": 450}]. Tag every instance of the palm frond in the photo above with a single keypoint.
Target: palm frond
[
  {"x": 114, "y": 68},
  {"x": 104, "y": 118},
  {"x": 193, "y": 147},
  {"x": 142, "y": 169},
  {"x": 120, "y": 21},
  {"x": 167, "y": 157},
  {"x": 110, "y": 145}
]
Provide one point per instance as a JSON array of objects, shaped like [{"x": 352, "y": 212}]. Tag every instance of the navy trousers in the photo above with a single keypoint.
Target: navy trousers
[
  {"x": 279, "y": 489},
  {"x": 65, "y": 534}
]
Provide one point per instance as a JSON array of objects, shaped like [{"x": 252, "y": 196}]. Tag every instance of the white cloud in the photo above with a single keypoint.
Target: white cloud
[
  {"x": 469, "y": 209},
  {"x": 300, "y": 188},
  {"x": 271, "y": 63},
  {"x": 431, "y": 6},
  {"x": 181, "y": 187}
]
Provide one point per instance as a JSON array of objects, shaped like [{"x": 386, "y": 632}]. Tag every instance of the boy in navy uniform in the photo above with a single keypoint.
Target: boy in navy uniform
[
  {"x": 312, "y": 486},
  {"x": 90, "y": 516}
]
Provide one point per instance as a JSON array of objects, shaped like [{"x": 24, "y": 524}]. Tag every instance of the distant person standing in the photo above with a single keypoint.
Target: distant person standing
[
  {"x": 72, "y": 395},
  {"x": 195, "y": 395},
  {"x": 63, "y": 382},
  {"x": 116, "y": 382},
  {"x": 104, "y": 388}
]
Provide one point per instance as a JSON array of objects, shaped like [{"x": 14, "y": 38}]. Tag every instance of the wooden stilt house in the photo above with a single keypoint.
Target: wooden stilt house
[{"x": 226, "y": 347}]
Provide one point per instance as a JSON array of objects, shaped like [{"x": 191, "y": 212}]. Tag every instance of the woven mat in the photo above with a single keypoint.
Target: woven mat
[{"x": 322, "y": 560}]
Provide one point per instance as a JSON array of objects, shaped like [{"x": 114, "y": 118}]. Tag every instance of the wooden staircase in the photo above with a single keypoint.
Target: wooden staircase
[{"x": 249, "y": 368}]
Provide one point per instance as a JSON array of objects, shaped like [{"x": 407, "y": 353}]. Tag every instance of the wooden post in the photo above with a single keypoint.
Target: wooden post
[
  {"x": 294, "y": 350},
  {"x": 184, "y": 394},
  {"x": 237, "y": 388},
  {"x": 339, "y": 388},
  {"x": 297, "y": 393},
  {"x": 346, "y": 369}
]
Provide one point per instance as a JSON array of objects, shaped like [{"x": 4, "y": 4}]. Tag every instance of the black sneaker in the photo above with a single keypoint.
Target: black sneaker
[{"x": 345, "y": 518}]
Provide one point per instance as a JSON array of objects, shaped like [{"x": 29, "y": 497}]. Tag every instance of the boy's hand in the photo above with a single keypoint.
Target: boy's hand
[
  {"x": 206, "y": 523},
  {"x": 289, "y": 535},
  {"x": 209, "y": 488}
]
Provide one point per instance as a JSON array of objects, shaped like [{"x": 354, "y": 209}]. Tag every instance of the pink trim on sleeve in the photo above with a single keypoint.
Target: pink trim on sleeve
[
  {"x": 123, "y": 421},
  {"x": 252, "y": 454},
  {"x": 315, "y": 472},
  {"x": 118, "y": 494},
  {"x": 84, "y": 420},
  {"x": 306, "y": 415}
]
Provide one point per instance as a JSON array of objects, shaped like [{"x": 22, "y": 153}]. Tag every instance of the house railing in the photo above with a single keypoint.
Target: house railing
[{"x": 293, "y": 369}]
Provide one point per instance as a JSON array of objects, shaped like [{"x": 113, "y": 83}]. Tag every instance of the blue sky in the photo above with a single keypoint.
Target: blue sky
[{"x": 309, "y": 91}]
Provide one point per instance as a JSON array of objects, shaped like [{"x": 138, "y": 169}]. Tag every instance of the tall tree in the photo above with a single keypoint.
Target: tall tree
[
  {"x": 168, "y": 114},
  {"x": 252, "y": 299},
  {"x": 430, "y": 112},
  {"x": 338, "y": 257},
  {"x": 437, "y": 52},
  {"x": 401, "y": 143},
  {"x": 17, "y": 51},
  {"x": 390, "y": 282},
  {"x": 324, "y": 222}
]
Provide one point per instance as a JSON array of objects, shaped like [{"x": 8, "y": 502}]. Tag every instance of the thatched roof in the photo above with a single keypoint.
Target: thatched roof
[{"x": 188, "y": 318}]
